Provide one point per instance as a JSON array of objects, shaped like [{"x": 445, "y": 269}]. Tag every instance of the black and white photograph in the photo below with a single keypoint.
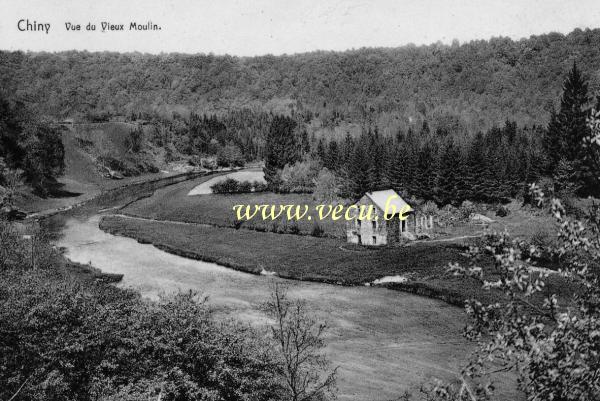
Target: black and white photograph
[{"x": 308, "y": 200}]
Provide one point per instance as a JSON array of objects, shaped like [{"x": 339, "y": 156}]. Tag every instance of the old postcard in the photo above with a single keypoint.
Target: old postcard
[{"x": 301, "y": 200}]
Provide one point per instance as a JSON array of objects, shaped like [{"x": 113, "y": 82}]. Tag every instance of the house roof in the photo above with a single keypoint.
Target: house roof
[{"x": 388, "y": 197}]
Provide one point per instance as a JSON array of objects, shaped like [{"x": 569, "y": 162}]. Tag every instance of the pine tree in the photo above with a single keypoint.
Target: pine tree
[
  {"x": 553, "y": 141},
  {"x": 280, "y": 148},
  {"x": 573, "y": 114},
  {"x": 304, "y": 143},
  {"x": 447, "y": 175},
  {"x": 376, "y": 161},
  {"x": 475, "y": 169},
  {"x": 423, "y": 171},
  {"x": 321, "y": 152},
  {"x": 332, "y": 156},
  {"x": 394, "y": 168},
  {"x": 567, "y": 128},
  {"x": 357, "y": 175},
  {"x": 565, "y": 183}
]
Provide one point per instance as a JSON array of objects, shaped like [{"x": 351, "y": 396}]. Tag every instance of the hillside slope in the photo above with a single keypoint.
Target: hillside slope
[
  {"x": 466, "y": 87},
  {"x": 85, "y": 173}
]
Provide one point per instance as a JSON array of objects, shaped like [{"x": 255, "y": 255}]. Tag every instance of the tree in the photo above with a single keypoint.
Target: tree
[
  {"x": 553, "y": 142},
  {"x": 568, "y": 128},
  {"x": 135, "y": 140},
  {"x": 475, "y": 170},
  {"x": 332, "y": 157},
  {"x": 554, "y": 349},
  {"x": 299, "y": 340},
  {"x": 592, "y": 150},
  {"x": 30, "y": 145},
  {"x": 573, "y": 114},
  {"x": 280, "y": 148},
  {"x": 230, "y": 156},
  {"x": 565, "y": 179},
  {"x": 423, "y": 172},
  {"x": 448, "y": 175},
  {"x": 326, "y": 186},
  {"x": 356, "y": 174},
  {"x": 43, "y": 155}
]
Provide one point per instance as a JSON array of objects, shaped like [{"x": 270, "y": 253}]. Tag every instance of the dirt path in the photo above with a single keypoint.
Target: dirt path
[{"x": 432, "y": 241}]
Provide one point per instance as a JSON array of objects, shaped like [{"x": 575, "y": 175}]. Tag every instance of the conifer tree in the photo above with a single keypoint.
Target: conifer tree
[
  {"x": 280, "y": 148},
  {"x": 332, "y": 156},
  {"x": 475, "y": 170},
  {"x": 423, "y": 171},
  {"x": 447, "y": 176},
  {"x": 573, "y": 113},
  {"x": 321, "y": 152},
  {"x": 358, "y": 180},
  {"x": 567, "y": 129}
]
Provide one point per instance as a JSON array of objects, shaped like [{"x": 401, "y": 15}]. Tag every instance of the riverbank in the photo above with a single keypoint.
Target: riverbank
[{"x": 306, "y": 258}]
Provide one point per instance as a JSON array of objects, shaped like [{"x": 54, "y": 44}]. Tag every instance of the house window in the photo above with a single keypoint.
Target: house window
[
  {"x": 374, "y": 225},
  {"x": 374, "y": 240},
  {"x": 403, "y": 226},
  {"x": 358, "y": 223},
  {"x": 359, "y": 239}
]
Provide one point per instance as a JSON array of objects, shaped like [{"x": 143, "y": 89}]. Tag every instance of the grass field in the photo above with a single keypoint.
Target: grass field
[
  {"x": 173, "y": 204},
  {"x": 292, "y": 256},
  {"x": 315, "y": 259},
  {"x": 216, "y": 209}
]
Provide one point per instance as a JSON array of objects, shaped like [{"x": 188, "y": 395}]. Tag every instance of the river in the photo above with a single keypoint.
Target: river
[{"x": 384, "y": 341}]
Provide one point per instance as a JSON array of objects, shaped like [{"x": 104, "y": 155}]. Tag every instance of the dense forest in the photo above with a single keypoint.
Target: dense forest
[
  {"x": 448, "y": 167},
  {"x": 469, "y": 87}
]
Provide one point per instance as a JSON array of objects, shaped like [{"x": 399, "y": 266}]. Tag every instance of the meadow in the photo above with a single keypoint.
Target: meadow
[{"x": 217, "y": 210}]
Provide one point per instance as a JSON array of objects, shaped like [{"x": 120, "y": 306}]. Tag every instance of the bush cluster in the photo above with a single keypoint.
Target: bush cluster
[
  {"x": 233, "y": 186},
  {"x": 66, "y": 338}
]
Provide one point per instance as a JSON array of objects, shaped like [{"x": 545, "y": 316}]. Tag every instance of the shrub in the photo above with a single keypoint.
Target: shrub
[
  {"x": 293, "y": 228},
  {"x": 275, "y": 227},
  {"x": 230, "y": 156},
  {"x": 326, "y": 186},
  {"x": 233, "y": 186},
  {"x": 467, "y": 208},
  {"x": 227, "y": 186},
  {"x": 430, "y": 208},
  {"x": 62, "y": 338},
  {"x": 244, "y": 186},
  {"x": 300, "y": 177},
  {"x": 553, "y": 348},
  {"x": 258, "y": 186},
  {"x": 317, "y": 230},
  {"x": 502, "y": 211}
]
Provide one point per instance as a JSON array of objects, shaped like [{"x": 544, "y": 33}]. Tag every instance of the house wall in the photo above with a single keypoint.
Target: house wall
[
  {"x": 369, "y": 235},
  {"x": 416, "y": 223}
]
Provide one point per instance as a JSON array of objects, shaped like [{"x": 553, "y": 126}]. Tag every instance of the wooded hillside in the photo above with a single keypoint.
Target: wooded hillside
[{"x": 472, "y": 86}]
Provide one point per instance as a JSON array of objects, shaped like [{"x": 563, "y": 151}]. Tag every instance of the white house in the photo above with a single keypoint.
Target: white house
[{"x": 391, "y": 219}]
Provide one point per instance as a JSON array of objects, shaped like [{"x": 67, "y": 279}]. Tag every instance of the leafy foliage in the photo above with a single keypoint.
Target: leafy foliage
[
  {"x": 555, "y": 349},
  {"x": 280, "y": 148},
  {"x": 30, "y": 145},
  {"x": 233, "y": 186},
  {"x": 73, "y": 339}
]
